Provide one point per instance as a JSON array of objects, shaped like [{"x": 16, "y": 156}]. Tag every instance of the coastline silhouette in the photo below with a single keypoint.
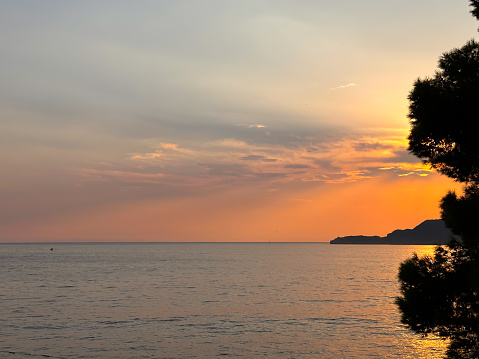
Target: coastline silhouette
[{"x": 431, "y": 231}]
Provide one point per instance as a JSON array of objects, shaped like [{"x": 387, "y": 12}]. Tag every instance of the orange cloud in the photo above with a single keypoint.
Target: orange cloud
[
  {"x": 344, "y": 160},
  {"x": 160, "y": 152},
  {"x": 147, "y": 156}
]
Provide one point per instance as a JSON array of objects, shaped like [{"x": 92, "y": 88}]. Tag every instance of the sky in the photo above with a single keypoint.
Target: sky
[{"x": 213, "y": 120}]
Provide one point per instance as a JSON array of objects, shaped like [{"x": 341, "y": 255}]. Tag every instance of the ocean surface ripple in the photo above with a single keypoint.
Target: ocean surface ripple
[{"x": 205, "y": 300}]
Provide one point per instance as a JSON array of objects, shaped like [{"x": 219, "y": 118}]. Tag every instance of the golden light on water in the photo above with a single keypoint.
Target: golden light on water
[
  {"x": 422, "y": 251},
  {"x": 430, "y": 347}
]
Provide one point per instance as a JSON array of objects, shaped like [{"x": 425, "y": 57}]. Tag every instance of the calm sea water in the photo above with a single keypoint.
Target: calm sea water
[{"x": 204, "y": 301}]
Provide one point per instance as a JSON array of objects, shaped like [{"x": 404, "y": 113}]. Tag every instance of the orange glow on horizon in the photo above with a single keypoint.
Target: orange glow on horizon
[{"x": 370, "y": 207}]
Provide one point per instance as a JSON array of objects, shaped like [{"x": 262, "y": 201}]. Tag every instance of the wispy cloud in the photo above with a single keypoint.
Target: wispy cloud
[
  {"x": 252, "y": 125},
  {"x": 121, "y": 176},
  {"x": 230, "y": 161},
  {"x": 257, "y": 158},
  {"x": 163, "y": 149},
  {"x": 147, "y": 156},
  {"x": 352, "y": 84}
]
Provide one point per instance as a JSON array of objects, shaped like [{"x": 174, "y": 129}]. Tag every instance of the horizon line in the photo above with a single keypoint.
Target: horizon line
[{"x": 162, "y": 242}]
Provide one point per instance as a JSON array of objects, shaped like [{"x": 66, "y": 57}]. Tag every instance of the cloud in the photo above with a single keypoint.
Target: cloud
[
  {"x": 230, "y": 142},
  {"x": 169, "y": 146},
  {"x": 408, "y": 169},
  {"x": 257, "y": 158},
  {"x": 119, "y": 176},
  {"x": 352, "y": 84},
  {"x": 252, "y": 158},
  {"x": 147, "y": 156},
  {"x": 252, "y": 126},
  {"x": 225, "y": 169},
  {"x": 164, "y": 150},
  {"x": 297, "y": 166},
  {"x": 233, "y": 162},
  {"x": 370, "y": 146}
]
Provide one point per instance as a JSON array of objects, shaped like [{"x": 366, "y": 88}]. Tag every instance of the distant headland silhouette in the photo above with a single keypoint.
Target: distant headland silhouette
[{"x": 431, "y": 231}]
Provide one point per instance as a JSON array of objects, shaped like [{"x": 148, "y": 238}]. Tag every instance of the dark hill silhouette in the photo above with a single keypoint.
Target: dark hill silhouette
[{"x": 431, "y": 231}]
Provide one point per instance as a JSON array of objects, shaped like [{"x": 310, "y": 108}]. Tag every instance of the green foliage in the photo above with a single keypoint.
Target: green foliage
[{"x": 444, "y": 115}]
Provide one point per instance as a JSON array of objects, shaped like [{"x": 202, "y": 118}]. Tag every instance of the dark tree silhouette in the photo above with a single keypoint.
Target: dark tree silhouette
[
  {"x": 444, "y": 113},
  {"x": 460, "y": 214},
  {"x": 439, "y": 296},
  {"x": 475, "y": 6},
  {"x": 440, "y": 293}
]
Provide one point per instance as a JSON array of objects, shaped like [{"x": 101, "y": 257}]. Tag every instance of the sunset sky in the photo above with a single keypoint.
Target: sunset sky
[{"x": 213, "y": 120}]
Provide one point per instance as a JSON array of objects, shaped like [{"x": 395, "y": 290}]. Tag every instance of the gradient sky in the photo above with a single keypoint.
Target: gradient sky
[{"x": 213, "y": 120}]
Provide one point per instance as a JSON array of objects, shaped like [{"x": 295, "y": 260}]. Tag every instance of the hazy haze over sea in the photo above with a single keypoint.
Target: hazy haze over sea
[{"x": 249, "y": 300}]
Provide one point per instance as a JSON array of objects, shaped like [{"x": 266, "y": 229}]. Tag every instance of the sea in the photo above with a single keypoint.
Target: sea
[{"x": 205, "y": 300}]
